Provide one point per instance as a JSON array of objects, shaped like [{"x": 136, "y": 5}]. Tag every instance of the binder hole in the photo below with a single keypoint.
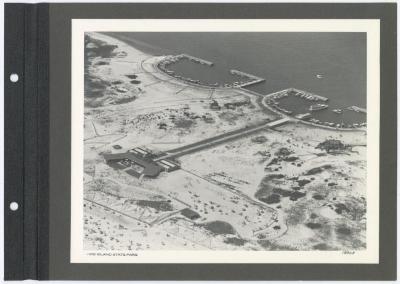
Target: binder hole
[
  {"x": 14, "y": 206},
  {"x": 14, "y": 77}
]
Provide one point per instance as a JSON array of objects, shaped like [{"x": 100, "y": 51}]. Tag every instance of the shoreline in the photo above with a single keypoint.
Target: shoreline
[
  {"x": 159, "y": 59},
  {"x": 264, "y": 97}
]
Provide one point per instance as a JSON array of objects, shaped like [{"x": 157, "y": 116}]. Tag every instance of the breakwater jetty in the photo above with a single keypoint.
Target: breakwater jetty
[
  {"x": 164, "y": 64},
  {"x": 251, "y": 79},
  {"x": 272, "y": 101},
  {"x": 357, "y": 109},
  {"x": 297, "y": 93},
  {"x": 194, "y": 59},
  {"x": 245, "y": 79},
  {"x": 306, "y": 95}
]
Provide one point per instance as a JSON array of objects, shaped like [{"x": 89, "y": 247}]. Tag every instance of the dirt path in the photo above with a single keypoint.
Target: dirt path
[{"x": 276, "y": 217}]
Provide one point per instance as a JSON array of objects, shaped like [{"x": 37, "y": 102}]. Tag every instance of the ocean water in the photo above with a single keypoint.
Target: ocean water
[{"x": 283, "y": 59}]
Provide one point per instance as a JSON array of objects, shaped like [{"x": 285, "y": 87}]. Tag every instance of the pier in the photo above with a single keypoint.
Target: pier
[
  {"x": 271, "y": 101},
  {"x": 251, "y": 83},
  {"x": 253, "y": 79},
  {"x": 171, "y": 59},
  {"x": 358, "y": 109}
]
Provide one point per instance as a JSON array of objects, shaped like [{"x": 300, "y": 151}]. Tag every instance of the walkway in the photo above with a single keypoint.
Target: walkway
[{"x": 217, "y": 140}]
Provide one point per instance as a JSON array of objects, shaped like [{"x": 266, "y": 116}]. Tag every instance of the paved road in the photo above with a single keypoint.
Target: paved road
[{"x": 217, "y": 140}]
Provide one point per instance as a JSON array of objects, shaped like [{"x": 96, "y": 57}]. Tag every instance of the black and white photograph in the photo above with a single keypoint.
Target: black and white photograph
[
  {"x": 225, "y": 141},
  {"x": 200, "y": 141}
]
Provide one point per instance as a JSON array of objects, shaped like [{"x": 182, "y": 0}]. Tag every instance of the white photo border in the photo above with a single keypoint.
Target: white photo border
[{"x": 369, "y": 26}]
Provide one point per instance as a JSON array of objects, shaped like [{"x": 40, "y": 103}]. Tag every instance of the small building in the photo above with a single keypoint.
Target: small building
[
  {"x": 150, "y": 168},
  {"x": 168, "y": 165},
  {"x": 139, "y": 152}
]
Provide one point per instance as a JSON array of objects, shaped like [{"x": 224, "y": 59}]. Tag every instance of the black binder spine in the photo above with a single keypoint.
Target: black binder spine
[{"x": 26, "y": 141}]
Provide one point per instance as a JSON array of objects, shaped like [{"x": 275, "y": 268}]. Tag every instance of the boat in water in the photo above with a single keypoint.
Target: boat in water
[
  {"x": 337, "y": 110},
  {"x": 318, "y": 107}
]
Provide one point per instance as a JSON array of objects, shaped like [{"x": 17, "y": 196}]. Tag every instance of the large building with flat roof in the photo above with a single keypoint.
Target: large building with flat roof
[{"x": 138, "y": 162}]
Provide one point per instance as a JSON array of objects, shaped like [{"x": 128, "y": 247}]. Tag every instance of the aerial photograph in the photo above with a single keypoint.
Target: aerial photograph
[{"x": 252, "y": 141}]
